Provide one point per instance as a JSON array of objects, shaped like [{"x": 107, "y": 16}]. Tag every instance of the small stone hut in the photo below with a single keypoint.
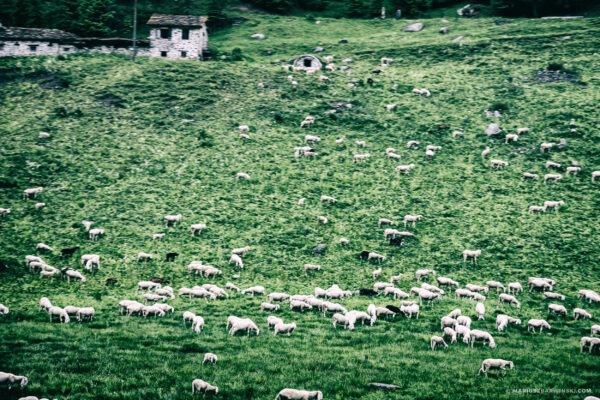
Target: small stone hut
[{"x": 307, "y": 62}]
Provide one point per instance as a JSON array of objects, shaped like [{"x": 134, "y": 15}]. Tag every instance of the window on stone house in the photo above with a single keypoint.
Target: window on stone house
[
  {"x": 33, "y": 47},
  {"x": 185, "y": 34},
  {"x": 165, "y": 33},
  {"x": 183, "y": 54},
  {"x": 163, "y": 53},
  {"x": 66, "y": 48}
]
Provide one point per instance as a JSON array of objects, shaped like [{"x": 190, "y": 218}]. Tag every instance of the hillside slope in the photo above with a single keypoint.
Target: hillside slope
[{"x": 131, "y": 143}]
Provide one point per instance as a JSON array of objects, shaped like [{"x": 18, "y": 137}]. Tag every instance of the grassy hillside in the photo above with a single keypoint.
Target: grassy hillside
[{"x": 131, "y": 143}]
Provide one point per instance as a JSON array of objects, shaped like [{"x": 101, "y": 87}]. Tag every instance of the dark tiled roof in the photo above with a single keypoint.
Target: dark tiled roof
[
  {"x": 177, "y": 20},
  {"x": 13, "y": 33}
]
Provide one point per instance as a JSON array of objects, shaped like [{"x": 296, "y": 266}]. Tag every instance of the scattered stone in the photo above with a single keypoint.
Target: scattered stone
[
  {"x": 457, "y": 39},
  {"x": 384, "y": 386},
  {"x": 502, "y": 22},
  {"x": 319, "y": 249},
  {"x": 553, "y": 76},
  {"x": 347, "y": 60},
  {"x": 493, "y": 129},
  {"x": 318, "y": 49},
  {"x": 416, "y": 27},
  {"x": 444, "y": 30},
  {"x": 343, "y": 40},
  {"x": 492, "y": 114},
  {"x": 258, "y": 36}
]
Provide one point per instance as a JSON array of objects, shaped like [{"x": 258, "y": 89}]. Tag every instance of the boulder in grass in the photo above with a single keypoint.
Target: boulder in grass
[
  {"x": 493, "y": 129},
  {"x": 444, "y": 30},
  {"x": 258, "y": 36},
  {"x": 319, "y": 249},
  {"x": 384, "y": 386},
  {"x": 416, "y": 27}
]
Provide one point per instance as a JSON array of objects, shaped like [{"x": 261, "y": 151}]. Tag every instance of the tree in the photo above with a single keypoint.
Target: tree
[{"x": 216, "y": 17}]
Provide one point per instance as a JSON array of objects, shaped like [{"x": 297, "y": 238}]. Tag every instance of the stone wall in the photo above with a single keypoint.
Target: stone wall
[{"x": 41, "y": 48}]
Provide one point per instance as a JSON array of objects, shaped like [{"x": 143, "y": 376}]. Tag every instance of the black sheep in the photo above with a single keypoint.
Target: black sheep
[
  {"x": 68, "y": 251},
  {"x": 171, "y": 256},
  {"x": 367, "y": 292}
]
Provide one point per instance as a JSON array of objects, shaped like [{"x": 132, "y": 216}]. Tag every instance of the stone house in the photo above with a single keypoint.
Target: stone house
[{"x": 171, "y": 36}]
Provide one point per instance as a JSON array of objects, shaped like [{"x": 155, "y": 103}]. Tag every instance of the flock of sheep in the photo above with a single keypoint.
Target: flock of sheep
[{"x": 453, "y": 326}]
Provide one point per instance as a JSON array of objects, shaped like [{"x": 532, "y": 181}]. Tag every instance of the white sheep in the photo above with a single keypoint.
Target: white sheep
[
  {"x": 463, "y": 331},
  {"x": 395, "y": 278},
  {"x": 244, "y": 136},
  {"x": 450, "y": 332},
  {"x": 241, "y": 251},
  {"x": 242, "y": 175},
  {"x": 377, "y": 273},
  {"x": 464, "y": 321},
  {"x": 514, "y": 287},
  {"x": 147, "y": 285},
  {"x": 237, "y": 260},
  {"x": 457, "y": 133},
  {"x": 581, "y": 313},
  {"x": 437, "y": 340},
  {"x": 43, "y": 246},
  {"x": 158, "y": 236},
  {"x": 45, "y": 304},
  {"x": 328, "y": 199},
  {"x": 324, "y": 78},
  {"x": 537, "y": 323},
  {"x": 507, "y": 298},
  {"x": 595, "y": 174},
  {"x": 552, "y": 177},
  {"x": 339, "y": 141},
  {"x": 412, "y": 143},
  {"x": 328, "y": 306},
  {"x": 552, "y": 164},
  {"x": 446, "y": 281},
  {"x": 42, "y": 205},
  {"x": 385, "y": 61},
  {"x": 375, "y": 256},
  {"x": 360, "y": 143},
  {"x": 497, "y": 285},
  {"x": 322, "y": 219},
  {"x": 522, "y": 130},
  {"x": 85, "y": 313},
  {"x": 254, "y": 290},
  {"x": 294, "y": 394},
  {"x": 4, "y": 212},
  {"x": 471, "y": 253},
  {"x": 390, "y": 107},
  {"x": 485, "y": 152},
  {"x": 61, "y": 313},
  {"x": 144, "y": 256},
  {"x": 405, "y": 168},
  {"x": 71, "y": 273},
  {"x": 421, "y": 92},
  {"x": 278, "y": 296},
  {"x": 344, "y": 320},
  {"x": 272, "y": 321},
  {"x": 528, "y": 175},
  {"x": 284, "y": 328},
  {"x": 447, "y": 321},
  {"x": 511, "y": 137},
  {"x": 546, "y": 146},
  {"x": 94, "y": 233},
  {"x": 3, "y": 309},
  {"x": 197, "y": 324},
  {"x": 361, "y": 157},
  {"x": 537, "y": 283},
  {"x": 495, "y": 363},
  {"x": 11, "y": 379},
  {"x": 210, "y": 358},
  {"x": 344, "y": 241},
  {"x": 574, "y": 170},
  {"x": 197, "y": 228},
  {"x": 243, "y": 128},
  {"x": 498, "y": 163},
  {"x": 27, "y": 193},
  {"x": 385, "y": 221},
  {"x": 188, "y": 316},
  {"x": 297, "y": 304},
  {"x": 595, "y": 330},
  {"x": 311, "y": 138},
  {"x": 591, "y": 342},
  {"x": 410, "y": 310},
  {"x": 243, "y": 325},
  {"x": 552, "y": 295},
  {"x": 457, "y": 312},
  {"x": 554, "y": 204},
  {"x": 423, "y": 272},
  {"x": 412, "y": 218},
  {"x": 480, "y": 310},
  {"x": 533, "y": 209},
  {"x": 484, "y": 336},
  {"x": 198, "y": 385},
  {"x": 269, "y": 307},
  {"x": 502, "y": 321},
  {"x": 557, "y": 309},
  {"x": 87, "y": 224}
]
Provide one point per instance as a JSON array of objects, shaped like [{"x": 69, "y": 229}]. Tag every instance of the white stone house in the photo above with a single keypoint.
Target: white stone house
[{"x": 171, "y": 36}]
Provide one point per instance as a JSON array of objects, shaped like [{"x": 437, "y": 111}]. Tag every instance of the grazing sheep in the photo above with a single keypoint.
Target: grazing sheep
[
  {"x": 322, "y": 219},
  {"x": 355, "y": 315},
  {"x": 384, "y": 221},
  {"x": 27, "y": 193},
  {"x": 574, "y": 170},
  {"x": 311, "y": 267},
  {"x": 294, "y": 394},
  {"x": 514, "y": 287},
  {"x": 498, "y": 163},
  {"x": 595, "y": 330},
  {"x": 539, "y": 283},
  {"x": 533, "y": 209},
  {"x": 552, "y": 177},
  {"x": 269, "y": 307},
  {"x": 197, "y": 228},
  {"x": 528, "y": 175},
  {"x": 158, "y": 236},
  {"x": 87, "y": 224},
  {"x": 198, "y": 385},
  {"x": 85, "y": 313},
  {"x": 502, "y": 321},
  {"x": 147, "y": 285},
  {"x": 244, "y": 128},
  {"x": 328, "y": 306},
  {"x": 480, "y": 310},
  {"x": 552, "y": 295},
  {"x": 485, "y": 152},
  {"x": 405, "y": 168},
  {"x": 242, "y": 175},
  {"x": 457, "y": 312},
  {"x": 390, "y": 107},
  {"x": 241, "y": 251},
  {"x": 589, "y": 341},
  {"x": 71, "y": 273},
  {"x": 172, "y": 219},
  {"x": 153, "y": 297},
  {"x": 537, "y": 323},
  {"x": 552, "y": 164},
  {"x": 244, "y": 136},
  {"x": 484, "y": 336},
  {"x": 463, "y": 331},
  {"x": 447, "y": 321},
  {"x": 361, "y": 157},
  {"x": 243, "y": 325},
  {"x": 522, "y": 130},
  {"x": 344, "y": 241},
  {"x": 412, "y": 143},
  {"x": 144, "y": 256},
  {"x": 210, "y": 358},
  {"x": 497, "y": 285},
  {"x": 42, "y": 205},
  {"x": 457, "y": 133},
  {"x": 424, "y": 272},
  {"x": 237, "y": 260},
  {"x": 297, "y": 304},
  {"x": 284, "y": 328},
  {"x": 4, "y": 211},
  {"x": 507, "y": 298},
  {"x": 511, "y": 137},
  {"x": 495, "y": 363},
  {"x": 3, "y": 309},
  {"x": 188, "y": 316},
  {"x": 377, "y": 273},
  {"x": 443, "y": 281},
  {"x": 328, "y": 199},
  {"x": 395, "y": 278},
  {"x": 45, "y": 304},
  {"x": 435, "y": 340},
  {"x": 11, "y": 379},
  {"x": 450, "y": 332},
  {"x": 595, "y": 174},
  {"x": 360, "y": 143},
  {"x": 546, "y": 146},
  {"x": 410, "y": 310},
  {"x": 431, "y": 288},
  {"x": 557, "y": 309},
  {"x": 397, "y": 293},
  {"x": 61, "y": 313},
  {"x": 272, "y": 321},
  {"x": 581, "y": 313},
  {"x": 464, "y": 321},
  {"x": 554, "y": 204},
  {"x": 344, "y": 320},
  {"x": 411, "y": 218},
  {"x": 471, "y": 253},
  {"x": 375, "y": 256},
  {"x": 311, "y": 138},
  {"x": 94, "y": 233},
  {"x": 421, "y": 92},
  {"x": 382, "y": 285},
  {"x": 197, "y": 324},
  {"x": 45, "y": 247}
]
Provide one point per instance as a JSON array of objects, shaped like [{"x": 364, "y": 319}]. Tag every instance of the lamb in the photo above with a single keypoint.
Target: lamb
[
  {"x": 339, "y": 141},
  {"x": 423, "y": 272},
  {"x": 198, "y": 385},
  {"x": 386, "y": 61},
  {"x": 495, "y": 363},
  {"x": 293, "y": 394},
  {"x": 574, "y": 170},
  {"x": 552, "y": 177},
  {"x": 11, "y": 379},
  {"x": 431, "y": 288},
  {"x": 346, "y": 321},
  {"x": 71, "y": 273},
  {"x": 375, "y": 256},
  {"x": 552, "y": 164},
  {"x": 243, "y": 325},
  {"x": 581, "y": 313},
  {"x": 244, "y": 136},
  {"x": 153, "y": 297},
  {"x": 324, "y": 78},
  {"x": 393, "y": 156},
  {"x": 412, "y": 143},
  {"x": 471, "y": 253},
  {"x": 507, "y": 298},
  {"x": 85, "y": 313},
  {"x": 385, "y": 221},
  {"x": 284, "y": 328},
  {"x": 405, "y": 168},
  {"x": 237, "y": 260},
  {"x": 552, "y": 295},
  {"x": 197, "y": 324},
  {"x": 537, "y": 323},
  {"x": 502, "y": 321},
  {"x": 484, "y": 336},
  {"x": 546, "y": 146},
  {"x": 242, "y": 175},
  {"x": 528, "y": 175},
  {"x": 165, "y": 291},
  {"x": 457, "y": 133},
  {"x": 272, "y": 321},
  {"x": 480, "y": 310},
  {"x": 27, "y": 193},
  {"x": 61, "y": 313},
  {"x": 42, "y": 246},
  {"x": 210, "y": 358},
  {"x": 395, "y": 278},
  {"x": 297, "y": 304},
  {"x": 158, "y": 236},
  {"x": 197, "y": 228},
  {"x": 450, "y": 332},
  {"x": 557, "y": 309},
  {"x": 377, "y": 273},
  {"x": 437, "y": 340},
  {"x": 497, "y": 285},
  {"x": 410, "y": 310},
  {"x": 411, "y": 218},
  {"x": 443, "y": 281},
  {"x": 311, "y": 138},
  {"x": 595, "y": 174},
  {"x": 433, "y": 147},
  {"x": 554, "y": 204},
  {"x": 144, "y": 256},
  {"x": 361, "y": 157},
  {"x": 463, "y": 293},
  {"x": 533, "y": 209},
  {"x": 328, "y": 199},
  {"x": 322, "y": 219},
  {"x": 210, "y": 272},
  {"x": 241, "y": 251},
  {"x": 429, "y": 296},
  {"x": 360, "y": 143},
  {"x": 498, "y": 163},
  {"x": 464, "y": 321},
  {"x": 269, "y": 307},
  {"x": 485, "y": 152},
  {"x": 511, "y": 137},
  {"x": 311, "y": 267},
  {"x": 87, "y": 224},
  {"x": 172, "y": 219},
  {"x": 383, "y": 311},
  {"x": 94, "y": 233}
]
